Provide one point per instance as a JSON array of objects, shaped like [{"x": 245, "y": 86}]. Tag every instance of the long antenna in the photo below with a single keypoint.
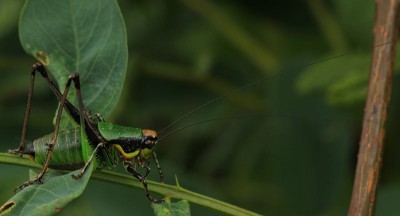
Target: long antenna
[
  {"x": 205, "y": 121},
  {"x": 259, "y": 81}
]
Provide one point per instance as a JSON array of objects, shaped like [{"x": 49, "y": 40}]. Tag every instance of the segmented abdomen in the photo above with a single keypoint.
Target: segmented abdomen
[{"x": 67, "y": 153}]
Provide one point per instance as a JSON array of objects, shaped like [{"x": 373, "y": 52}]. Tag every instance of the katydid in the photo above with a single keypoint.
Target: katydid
[{"x": 92, "y": 140}]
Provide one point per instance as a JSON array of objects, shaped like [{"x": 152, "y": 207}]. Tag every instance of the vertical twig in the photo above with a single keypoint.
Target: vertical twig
[{"x": 379, "y": 91}]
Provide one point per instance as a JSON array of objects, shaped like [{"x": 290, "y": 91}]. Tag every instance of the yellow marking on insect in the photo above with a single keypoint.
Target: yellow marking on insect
[
  {"x": 126, "y": 155},
  {"x": 145, "y": 153}
]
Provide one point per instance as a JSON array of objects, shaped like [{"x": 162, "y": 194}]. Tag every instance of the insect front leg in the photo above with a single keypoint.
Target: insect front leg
[
  {"x": 160, "y": 172},
  {"x": 142, "y": 179},
  {"x": 39, "y": 178}
]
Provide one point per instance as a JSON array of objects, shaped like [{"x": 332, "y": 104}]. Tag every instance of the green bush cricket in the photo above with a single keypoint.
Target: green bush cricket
[{"x": 92, "y": 140}]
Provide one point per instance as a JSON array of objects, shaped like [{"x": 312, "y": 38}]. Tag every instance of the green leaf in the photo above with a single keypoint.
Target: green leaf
[
  {"x": 82, "y": 36},
  {"x": 168, "y": 209},
  {"x": 47, "y": 198},
  {"x": 342, "y": 81}
]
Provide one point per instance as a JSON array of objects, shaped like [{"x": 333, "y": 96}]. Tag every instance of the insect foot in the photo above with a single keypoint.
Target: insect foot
[
  {"x": 15, "y": 152},
  {"x": 37, "y": 180},
  {"x": 149, "y": 197},
  {"x": 76, "y": 177}
]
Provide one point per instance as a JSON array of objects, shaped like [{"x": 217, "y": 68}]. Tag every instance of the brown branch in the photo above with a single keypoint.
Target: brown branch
[{"x": 379, "y": 91}]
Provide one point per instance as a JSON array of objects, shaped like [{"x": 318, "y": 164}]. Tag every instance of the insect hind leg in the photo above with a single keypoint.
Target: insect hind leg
[
  {"x": 38, "y": 67},
  {"x": 19, "y": 150},
  {"x": 39, "y": 178}
]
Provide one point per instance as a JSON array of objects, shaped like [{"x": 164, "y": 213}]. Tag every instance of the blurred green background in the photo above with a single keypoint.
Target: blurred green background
[{"x": 294, "y": 152}]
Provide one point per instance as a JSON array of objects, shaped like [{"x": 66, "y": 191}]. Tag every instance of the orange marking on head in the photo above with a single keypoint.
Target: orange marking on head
[{"x": 149, "y": 133}]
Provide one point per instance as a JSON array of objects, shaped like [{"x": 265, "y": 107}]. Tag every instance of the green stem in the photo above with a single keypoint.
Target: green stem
[{"x": 171, "y": 191}]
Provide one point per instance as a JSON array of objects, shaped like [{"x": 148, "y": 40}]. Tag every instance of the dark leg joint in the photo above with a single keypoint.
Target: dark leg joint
[
  {"x": 75, "y": 77},
  {"x": 48, "y": 146},
  {"x": 99, "y": 117},
  {"x": 39, "y": 67}
]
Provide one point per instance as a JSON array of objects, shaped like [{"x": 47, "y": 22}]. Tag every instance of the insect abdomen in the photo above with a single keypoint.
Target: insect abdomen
[{"x": 67, "y": 152}]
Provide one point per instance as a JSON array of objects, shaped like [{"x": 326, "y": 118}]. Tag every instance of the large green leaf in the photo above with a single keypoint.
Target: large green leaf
[
  {"x": 48, "y": 198},
  {"x": 82, "y": 36}
]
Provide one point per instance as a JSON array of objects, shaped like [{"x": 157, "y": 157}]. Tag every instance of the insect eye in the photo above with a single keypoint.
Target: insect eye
[{"x": 149, "y": 142}]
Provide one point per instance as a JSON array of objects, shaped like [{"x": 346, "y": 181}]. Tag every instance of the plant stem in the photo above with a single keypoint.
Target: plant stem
[
  {"x": 370, "y": 153},
  {"x": 171, "y": 191}
]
